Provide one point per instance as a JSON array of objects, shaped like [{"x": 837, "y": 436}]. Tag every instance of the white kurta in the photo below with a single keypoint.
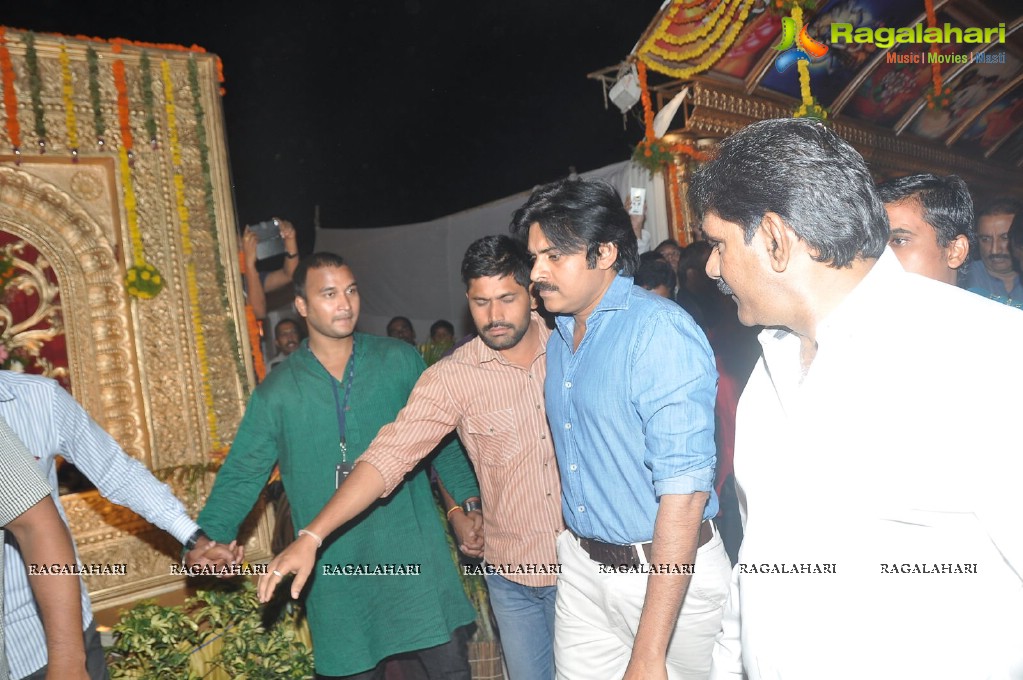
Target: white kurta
[{"x": 896, "y": 460}]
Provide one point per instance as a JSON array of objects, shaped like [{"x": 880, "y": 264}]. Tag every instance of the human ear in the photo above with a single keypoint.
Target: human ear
[
  {"x": 779, "y": 239},
  {"x": 607, "y": 255},
  {"x": 957, "y": 252}
]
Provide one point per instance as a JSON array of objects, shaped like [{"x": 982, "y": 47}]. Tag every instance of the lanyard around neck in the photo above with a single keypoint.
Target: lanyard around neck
[{"x": 342, "y": 408}]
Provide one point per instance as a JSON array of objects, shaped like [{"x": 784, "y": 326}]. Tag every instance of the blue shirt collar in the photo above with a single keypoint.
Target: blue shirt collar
[{"x": 615, "y": 297}]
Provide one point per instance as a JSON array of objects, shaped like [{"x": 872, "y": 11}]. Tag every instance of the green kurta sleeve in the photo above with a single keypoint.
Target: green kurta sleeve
[
  {"x": 452, "y": 465},
  {"x": 243, "y": 475}
]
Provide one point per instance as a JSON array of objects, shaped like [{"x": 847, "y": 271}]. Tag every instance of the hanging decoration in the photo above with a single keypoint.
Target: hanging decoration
[
  {"x": 255, "y": 330},
  {"x": 147, "y": 97},
  {"x": 665, "y": 50},
  {"x": 797, "y": 45},
  {"x": 184, "y": 224},
  {"x": 98, "y": 124},
  {"x": 654, "y": 153},
  {"x": 10, "y": 95},
  {"x": 123, "y": 110},
  {"x": 68, "y": 94},
  {"x": 938, "y": 96},
  {"x": 209, "y": 201},
  {"x": 35, "y": 87}
]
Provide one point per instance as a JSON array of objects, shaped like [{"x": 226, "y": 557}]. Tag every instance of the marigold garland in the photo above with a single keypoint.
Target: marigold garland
[
  {"x": 142, "y": 280},
  {"x": 210, "y": 203},
  {"x": 98, "y": 123},
  {"x": 676, "y": 204},
  {"x": 123, "y": 112},
  {"x": 35, "y": 86},
  {"x": 255, "y": 331},
  {"x": 68, "y": 93},
  {"x": 693, "y": 18},
  {"x": 653, "y": 153},
  {"x": 809, "y": 107},
  {"x": 187, "y": 251},
  {"x": 937, "y": 97},
  {"x": 10, "y": 94},
  {"x": 709, "y": 57},
  {"x": 714, "y": 21}
]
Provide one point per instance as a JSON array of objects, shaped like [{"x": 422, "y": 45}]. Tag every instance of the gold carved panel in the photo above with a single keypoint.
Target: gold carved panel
[{"x": 167, "y": 377}]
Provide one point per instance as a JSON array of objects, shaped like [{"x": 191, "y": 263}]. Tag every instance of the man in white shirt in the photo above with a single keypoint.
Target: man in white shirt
[{"x": 881, "y": 536}]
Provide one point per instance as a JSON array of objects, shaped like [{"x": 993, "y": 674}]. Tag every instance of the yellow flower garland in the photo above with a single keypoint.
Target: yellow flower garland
[
  {"x": 186, "y": 249},
  {"x": 808, "y": 107},
  {"x": 711, "y": 58},
  {"x": 68, "y": 92},
  {"x": 711, "y": 22},
  {"x": 142, "y": 280}
]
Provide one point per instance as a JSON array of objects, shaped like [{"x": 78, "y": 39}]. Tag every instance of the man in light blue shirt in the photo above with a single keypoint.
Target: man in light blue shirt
[{"x": 630, "y": 399}]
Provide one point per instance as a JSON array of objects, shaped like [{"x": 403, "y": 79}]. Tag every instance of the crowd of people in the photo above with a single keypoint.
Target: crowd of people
[{"x": 782, "y": 451}]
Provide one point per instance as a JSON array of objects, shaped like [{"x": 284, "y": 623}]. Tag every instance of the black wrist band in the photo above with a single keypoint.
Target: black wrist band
[
  {"x": 194, "y": 538},
  {"x": 472, "y": 504}
]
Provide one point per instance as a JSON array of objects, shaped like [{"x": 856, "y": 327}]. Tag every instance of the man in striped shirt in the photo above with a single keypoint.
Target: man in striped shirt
[
  {"x": 491, "y": 391},
  {"x": 51, "y": 423}
]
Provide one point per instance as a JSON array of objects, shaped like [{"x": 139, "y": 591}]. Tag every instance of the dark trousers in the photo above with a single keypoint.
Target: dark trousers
[
  {"x": 449, "y": 661},
  {"x": 95, "y": 659}
]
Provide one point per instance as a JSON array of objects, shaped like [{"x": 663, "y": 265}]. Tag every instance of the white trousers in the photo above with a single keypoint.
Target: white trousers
[{"x": 597, "y": 615}]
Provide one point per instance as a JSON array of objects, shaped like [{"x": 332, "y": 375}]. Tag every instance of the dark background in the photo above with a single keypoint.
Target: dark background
[{"x": 390, "y": 112}]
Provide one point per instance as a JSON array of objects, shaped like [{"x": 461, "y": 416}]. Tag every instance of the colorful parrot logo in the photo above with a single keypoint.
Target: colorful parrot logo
[{"x": 796, "y": 44}]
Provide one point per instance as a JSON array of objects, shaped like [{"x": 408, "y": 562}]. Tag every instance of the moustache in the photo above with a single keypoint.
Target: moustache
[
  {"x": 496, "y": 324},
  {"x": 724, "y": 287},
  {"x": 998, "y": 257},
  {"x": 543, "y": 285}
]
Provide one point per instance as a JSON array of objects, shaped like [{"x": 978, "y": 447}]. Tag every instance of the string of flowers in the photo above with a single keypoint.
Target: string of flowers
[
  {"x": 255, "y": 331},
  {"x": 809, "y": 107},
  {"x": 98, "y": 123},
  {"x": 68, "y": 93},
  {"x": 10, "y": 95},
  {"x": 676, "y": 204},
  {"x": 142, "y": 279},
  {"x": 692, "y": 18},
  {"x": 35, "y": 87},
  {"x": 187, "y": 251},
  {"x": 713, "y": 17},
  {"x": 147, "y": 97},
  {"x": 123, "y": 112},
  {"x": 937, "y": 97},
  {"x": 654, "y": 153},
  {"x": 210, "y": 203},
  {"x": 706, "y": 57}
]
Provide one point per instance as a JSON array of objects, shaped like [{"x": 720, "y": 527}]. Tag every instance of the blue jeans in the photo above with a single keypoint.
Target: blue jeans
[{"x": 525, "y": 620}]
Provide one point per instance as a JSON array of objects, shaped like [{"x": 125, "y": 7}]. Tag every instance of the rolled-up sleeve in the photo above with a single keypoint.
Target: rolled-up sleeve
[{"x": 674, "y": 385}]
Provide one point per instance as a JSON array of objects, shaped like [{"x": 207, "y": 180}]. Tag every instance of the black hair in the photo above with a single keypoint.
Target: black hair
[
  {"x": 577, "y": 215},
  {"x": 1016, "y": 229},
  {"x": 442, "y": 323},
  {"x": 1001, "y": 206},
  {"x": 498, "y": 255},
  {"x": 668, "y": 242},
  {"x": 401, "y": 318},
  {"x": 805, "y": 173},
  {"x": 280, "y": 323},
  {"x": 314, "y": 261},
  {"x": 946, "y": 203},
  {"x": 653, "y": 273},
  {"x": 694, "y": 256}
]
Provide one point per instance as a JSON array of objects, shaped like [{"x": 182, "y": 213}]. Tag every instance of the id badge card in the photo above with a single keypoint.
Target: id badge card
[{"x": 341, "y": 472}]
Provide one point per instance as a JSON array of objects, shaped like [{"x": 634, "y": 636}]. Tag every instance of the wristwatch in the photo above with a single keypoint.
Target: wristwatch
[
  {"x": 194, "y": 538},
  {"x": 472, "y": 504}
]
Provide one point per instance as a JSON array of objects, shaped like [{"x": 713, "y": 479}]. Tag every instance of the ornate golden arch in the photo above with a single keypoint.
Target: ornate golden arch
[{"x": 101, "y": 347}]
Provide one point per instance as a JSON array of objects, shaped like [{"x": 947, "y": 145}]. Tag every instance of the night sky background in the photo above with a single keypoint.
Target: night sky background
[{"x": 395, "y": 111}]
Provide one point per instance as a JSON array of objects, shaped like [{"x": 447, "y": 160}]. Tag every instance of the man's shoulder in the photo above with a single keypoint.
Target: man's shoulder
[
  {"x": 387, "y": 348},
  {"x": 15, "y": 383}
]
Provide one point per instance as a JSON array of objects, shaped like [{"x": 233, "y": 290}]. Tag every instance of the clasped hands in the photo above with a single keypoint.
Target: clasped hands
[{"x": 208, "y": 553}]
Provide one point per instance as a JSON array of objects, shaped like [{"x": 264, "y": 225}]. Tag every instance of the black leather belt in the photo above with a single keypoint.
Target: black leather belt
[{"x": 615, "y": 555}]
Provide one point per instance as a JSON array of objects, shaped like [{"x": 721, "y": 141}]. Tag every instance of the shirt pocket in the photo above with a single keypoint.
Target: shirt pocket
[{"x": 494, "y": 437}]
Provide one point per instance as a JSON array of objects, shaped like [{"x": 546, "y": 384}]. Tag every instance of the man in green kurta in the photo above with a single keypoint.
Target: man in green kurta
[{"x": 314, "y": 415}]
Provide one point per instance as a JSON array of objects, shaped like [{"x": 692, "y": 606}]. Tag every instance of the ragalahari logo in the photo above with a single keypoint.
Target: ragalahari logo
[{"x": 796, "y": 44}]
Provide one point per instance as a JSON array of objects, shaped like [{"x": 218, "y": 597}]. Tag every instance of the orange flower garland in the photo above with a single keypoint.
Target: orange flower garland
[
  {"x": 186, "y": 251},
  {"x": 10, "y": 95},
  {"x": 653, "y": 153},
  {"x": 255, "y": 331},
  {"x": 721, "y": 39},
  {"x": 676, "y": 204},
  {"x": 68, "y": 93},
  {"x": 123, "y": 112}
]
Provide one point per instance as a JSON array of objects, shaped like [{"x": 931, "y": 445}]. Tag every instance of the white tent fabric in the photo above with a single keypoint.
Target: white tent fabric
[{"x": 413, "y": 270}]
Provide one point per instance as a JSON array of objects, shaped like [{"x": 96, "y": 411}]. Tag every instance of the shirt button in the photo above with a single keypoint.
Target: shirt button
[
  {"x": 568, "y": 426},
  {"x": 573, "y": 467},
  {"x": 543, "y": 436},
  {"x": 568, "y": 383},
  {"x": 582, "y": 508}
]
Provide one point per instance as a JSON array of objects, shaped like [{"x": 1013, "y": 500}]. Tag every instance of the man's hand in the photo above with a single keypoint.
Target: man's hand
[
  {"x": 638, "y": 670},
  {"x": 637, "y": 224},
  {"x": 469, "y": 532},
  {"x": 213, "y": 554},
  {"x": 287, "y": 230},
  {"x": 299, "y": 558}
]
